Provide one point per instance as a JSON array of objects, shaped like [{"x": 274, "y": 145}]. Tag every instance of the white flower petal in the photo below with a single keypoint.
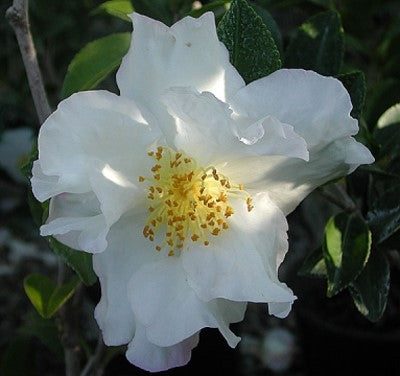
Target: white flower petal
[
  {"x": 269, "y": 136},
  {"x": 317, "y": 107},
  {"x": 218, "y": 138},
  {"x": 46, "y": 186},
  {"x": 127, "y": 250},
  {"x": 280, "y": 310},
  {"x": 174, "y": 311},
  {"x": 288, "y": 180},
  {"x": 144, "y": 354},
  {"x": 76, "y": 220},
  {"x": 241, "y": 264},
  {"x": 205, "y": 138},
  {"x": 95, "y": 141},
  {"x": 186, "y": 54}
]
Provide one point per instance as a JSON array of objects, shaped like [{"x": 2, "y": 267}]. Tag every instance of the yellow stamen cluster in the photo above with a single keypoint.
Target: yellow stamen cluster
[{"x": 189, "y": 201}]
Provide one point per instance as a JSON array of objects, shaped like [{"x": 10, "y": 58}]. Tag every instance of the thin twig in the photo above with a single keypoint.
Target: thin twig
[
  {"x": 69, "y": 335},
  {"x": 17, "y": 16},
  {"x": 93, "y": 362}
]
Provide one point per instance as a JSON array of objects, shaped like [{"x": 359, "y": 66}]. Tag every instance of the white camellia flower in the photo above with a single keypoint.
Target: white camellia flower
[{"x": 180, "y": 185}]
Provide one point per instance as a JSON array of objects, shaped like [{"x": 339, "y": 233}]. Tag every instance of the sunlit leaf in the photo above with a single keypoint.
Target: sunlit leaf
[
  {"x": 346, "y": 249},
  {"x": 94, "y": 62},
  {"x": 45, "y": 295},
  {"x": 116, "y": 8}
]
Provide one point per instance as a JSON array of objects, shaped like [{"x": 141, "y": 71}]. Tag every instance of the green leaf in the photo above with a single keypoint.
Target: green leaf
[
  {"x": 370, "y": 290},
  {"x": 26, "y": 167},
  {"x": 80, "y": 262},
  {"x": 355, "y": 84},
  {"x": 157, "y": 9},
  {"x": 384, "y": 219},
  {"x": 43, "y": 329},
  {"x": 271, "y": 25},
  {"x": 46, "y": 296},
  {"x": 94, "y": 62},
  {"x": 389, "y": 117},
  {"x": 314, "y": 265},
  {"x": 318, "y": 44},
  {"x": 383, "y": 95},
  {"x": 346, "y": 249},
  {"x": 116, "y": 8},
  {"x": 252, "y": 49}
]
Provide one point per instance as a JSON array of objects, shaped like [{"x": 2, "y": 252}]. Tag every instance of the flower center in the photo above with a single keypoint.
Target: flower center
[{"x": 188, "y": 201}]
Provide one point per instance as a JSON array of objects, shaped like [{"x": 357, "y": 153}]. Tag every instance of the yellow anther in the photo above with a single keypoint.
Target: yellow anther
[
  {"x": 187, "y": 201},
  {"x": 155, "y": 168},
  {"x": 228, "y": 211},
  {"x": 215, "y": 231}
]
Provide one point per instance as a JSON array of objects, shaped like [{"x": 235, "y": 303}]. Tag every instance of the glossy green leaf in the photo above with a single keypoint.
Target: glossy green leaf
[
  {"x": 355, "y": 84},
  {"x": 384, "y": 218},
  {"x": 252, "y": 49},
  {"x": 370, "y": 290},
  {"x": 318, "y": 44},
  {"x": 390, "y": 116},
  {"x": 346, "y": 249},
  {"x": 94, "y": 62},
  {"x": 116, "y": 8},
  {"x": 46, "y": 296},
  {"x": 314, "y": 265},
  {"x": 80, "y": 262},
  {"x": 157, "y": 9}
]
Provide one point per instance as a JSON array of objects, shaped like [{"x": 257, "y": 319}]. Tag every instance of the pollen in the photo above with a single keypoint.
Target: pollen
[{"x": 188, "y": 203}]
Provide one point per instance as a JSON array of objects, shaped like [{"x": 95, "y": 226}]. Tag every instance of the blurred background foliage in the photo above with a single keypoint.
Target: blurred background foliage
[{"x": 371, "y": 42}]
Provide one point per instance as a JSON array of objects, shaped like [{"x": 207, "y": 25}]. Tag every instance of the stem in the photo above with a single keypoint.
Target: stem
[
  {"x": 17, "y": 16},
  {"x": 93, "y": 362},
  {"x": 69, "y": 336}
]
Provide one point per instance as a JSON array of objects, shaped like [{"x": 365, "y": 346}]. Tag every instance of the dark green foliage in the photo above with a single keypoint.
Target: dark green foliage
[
  {"x": 318, "y": 44},
  {"x": 252, "y": 49}
]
